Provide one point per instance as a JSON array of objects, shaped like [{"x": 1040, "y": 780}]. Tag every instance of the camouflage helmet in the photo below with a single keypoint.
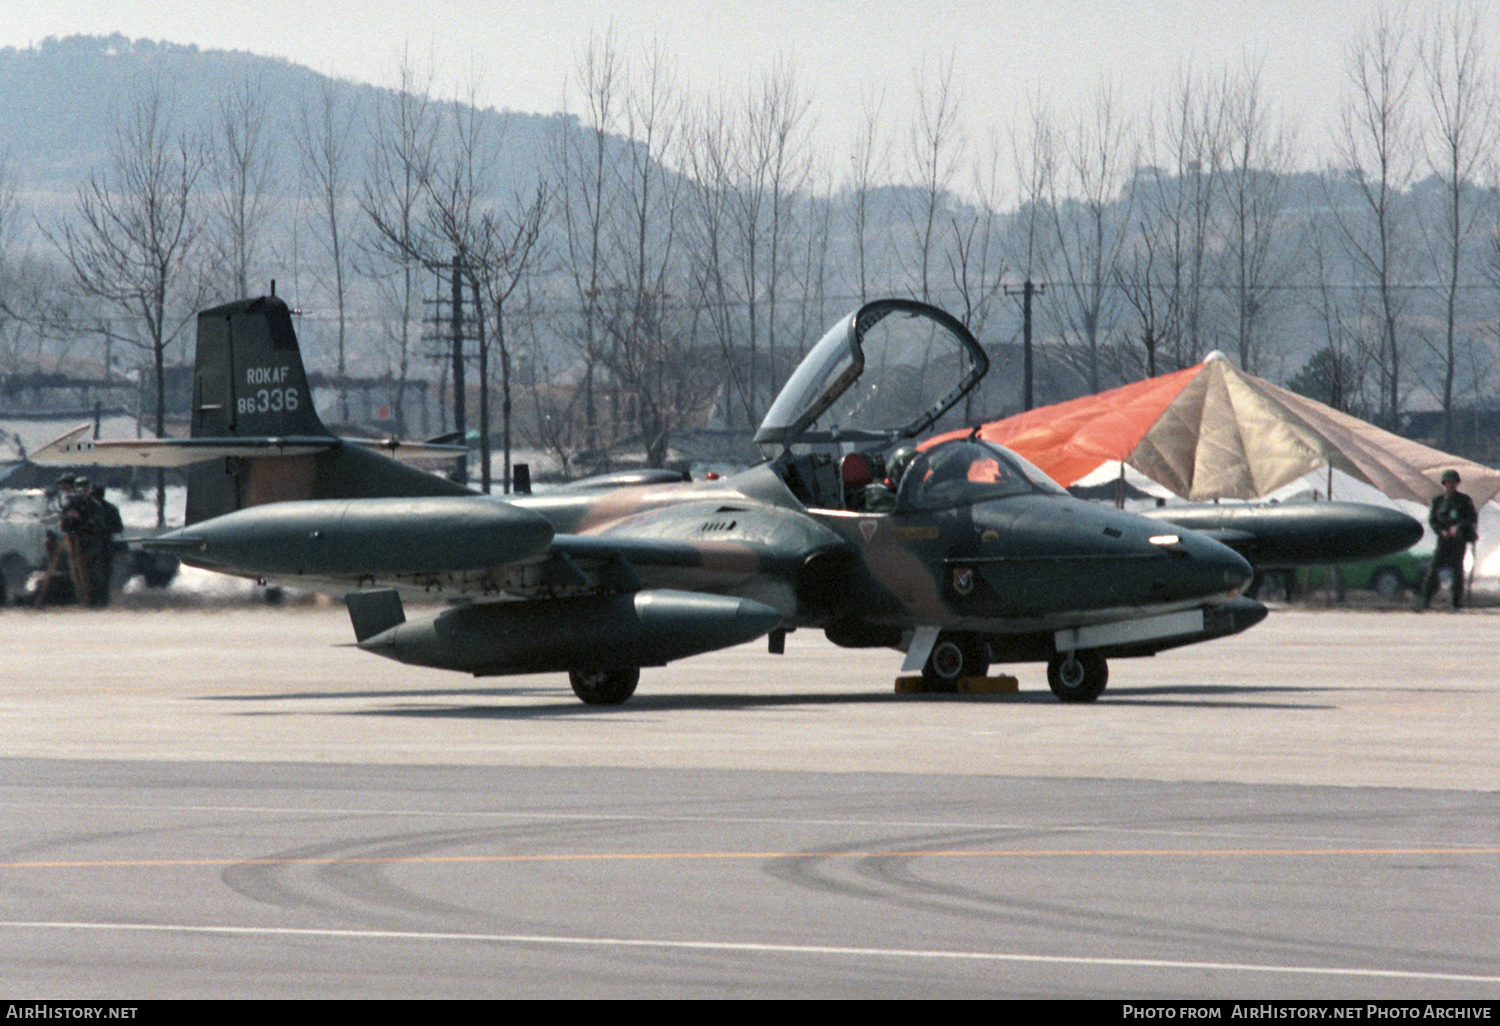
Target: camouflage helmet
[{"x": 1450, "y": 475}]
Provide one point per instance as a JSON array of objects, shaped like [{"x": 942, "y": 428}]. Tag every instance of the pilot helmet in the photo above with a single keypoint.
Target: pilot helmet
[
  {"x": 1451, "y": 475},
  {"x": 897, "y": 464}
]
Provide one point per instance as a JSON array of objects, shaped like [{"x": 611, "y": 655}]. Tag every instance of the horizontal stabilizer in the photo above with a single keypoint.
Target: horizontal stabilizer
[
  {"x": 77, "y": 448},
  {"x": 398, "y": 449}
]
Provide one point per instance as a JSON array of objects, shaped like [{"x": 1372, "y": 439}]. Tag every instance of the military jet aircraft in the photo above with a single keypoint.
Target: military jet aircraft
[{"x": 972, "y": 556}]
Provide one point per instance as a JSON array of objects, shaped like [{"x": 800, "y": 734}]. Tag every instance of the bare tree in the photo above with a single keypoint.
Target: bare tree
[
  {"x": 867, "y": 154},
  {"x": 544, "y": 372},
  {"x": 976, "y": 260},
  {"x": 404, "y": 135},
  {"x": 1088, "y": 231},
  {"x": 776, "y": 148},
  {"x": 654, "y": 352},
  {"x": 1463, "y": 110},
  {"x": 937, "y": 152},
  {"x": 8, "y": 218},
  {"x": 748, "y": 163},
  {"x": 1376, "y": 146},
  {"x": 241, "y": 167},
  {"x": 1035, "y": 158},
  {"x": 715, "y": 278},
  {"x": 487, "y": 252},
  {"x": 588, "y": 175},
  {"x": 507, "y": 249},
  {"x": 1258, "y": 158},
  {"x": 137, "y": 225},
  {"x": 325, "y": 140}
]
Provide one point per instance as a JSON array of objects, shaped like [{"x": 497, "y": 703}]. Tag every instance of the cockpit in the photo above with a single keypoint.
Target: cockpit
[
  {"x": 966, "y": 471},
  {"x": 876, "y": 380},
  {"x": 880, "y": 376}
]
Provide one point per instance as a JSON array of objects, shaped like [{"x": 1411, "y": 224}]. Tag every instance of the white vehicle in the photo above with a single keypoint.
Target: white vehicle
[{"x": 27, "y": 516}]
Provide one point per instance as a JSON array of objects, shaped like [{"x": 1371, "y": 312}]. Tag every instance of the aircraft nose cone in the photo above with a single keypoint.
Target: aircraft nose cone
[
  {"x": 1389, "y": 530},
  {"x": 1236, "y": 569},
  {"x": 1215, "y": 567}
]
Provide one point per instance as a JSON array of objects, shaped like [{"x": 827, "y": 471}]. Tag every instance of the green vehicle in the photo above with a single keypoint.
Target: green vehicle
[{"x": 1389, "y": 577}]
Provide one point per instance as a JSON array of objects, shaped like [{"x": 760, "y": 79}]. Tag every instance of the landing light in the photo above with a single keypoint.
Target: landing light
[{"x": 1165, "y": 540}]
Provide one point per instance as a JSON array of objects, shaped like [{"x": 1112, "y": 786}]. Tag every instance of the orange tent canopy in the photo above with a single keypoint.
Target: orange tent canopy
[{"x": 1070, "y": 440}]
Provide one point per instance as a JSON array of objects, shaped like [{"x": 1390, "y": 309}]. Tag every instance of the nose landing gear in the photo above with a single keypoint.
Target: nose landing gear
[{"x": 954, "y": 657}]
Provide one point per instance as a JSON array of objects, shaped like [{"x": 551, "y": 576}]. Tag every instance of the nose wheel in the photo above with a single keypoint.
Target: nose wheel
[
  {"x": 954, "y": 657},
  {"x": 1077, "y": 676}
]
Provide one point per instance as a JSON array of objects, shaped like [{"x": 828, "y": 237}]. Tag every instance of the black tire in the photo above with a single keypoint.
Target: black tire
[
  {"x": 954, "y": 657},
  {"x": 1388, "y": 583},
  {"x": 13, "y": 574},
  {"x": 604, "y": 687},
  {"x": 1077, "y": 676},
  {"x": 158, "y": 570}
]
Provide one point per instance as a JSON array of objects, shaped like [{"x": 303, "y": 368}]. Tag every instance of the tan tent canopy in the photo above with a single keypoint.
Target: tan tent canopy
[{"x": 1212, "y": 431}]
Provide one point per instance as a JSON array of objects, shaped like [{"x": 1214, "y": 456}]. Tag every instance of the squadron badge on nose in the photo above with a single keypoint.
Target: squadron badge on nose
[{"x": 963, "y": 580}]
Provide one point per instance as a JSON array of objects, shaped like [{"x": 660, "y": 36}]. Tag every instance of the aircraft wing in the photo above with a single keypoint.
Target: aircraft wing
[{"x": 477, "y": 546}]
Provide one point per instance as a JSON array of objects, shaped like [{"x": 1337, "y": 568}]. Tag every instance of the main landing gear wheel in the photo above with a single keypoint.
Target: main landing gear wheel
[
  {"x": 1077, "y": 676},
  {"x": 954, "y": 657},
  {"x": 604, "y": 687}
]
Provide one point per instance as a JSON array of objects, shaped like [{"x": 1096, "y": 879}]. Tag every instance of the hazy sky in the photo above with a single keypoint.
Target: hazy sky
[{"x": 1006, "y": 51}]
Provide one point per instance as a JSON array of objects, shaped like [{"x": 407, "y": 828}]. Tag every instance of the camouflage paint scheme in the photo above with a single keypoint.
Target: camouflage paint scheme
[{"x": 974, "y": 556}]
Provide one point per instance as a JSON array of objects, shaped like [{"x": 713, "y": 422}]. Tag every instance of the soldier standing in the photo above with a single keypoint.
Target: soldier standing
[
  {"x": 1455, "y": 521},
  {"x": 102, "y": 519},
  {"x": 77, "y": 527}
]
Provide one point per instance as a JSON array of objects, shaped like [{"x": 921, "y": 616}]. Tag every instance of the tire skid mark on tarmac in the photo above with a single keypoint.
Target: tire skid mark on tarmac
[
  {"x": 351, "y": 876},
  {"x": 885, "y": 871}
]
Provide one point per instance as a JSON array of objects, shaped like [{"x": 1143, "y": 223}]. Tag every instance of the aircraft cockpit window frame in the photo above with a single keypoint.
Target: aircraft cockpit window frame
[
  {"x": 833, "y": 366},
  {"x": 964, "y": 472}
]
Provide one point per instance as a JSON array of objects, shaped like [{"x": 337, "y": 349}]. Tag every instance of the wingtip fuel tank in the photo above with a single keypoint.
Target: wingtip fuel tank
[
  {"x": 1289, "y": 534},
  {"x": 354, "y": 537}
]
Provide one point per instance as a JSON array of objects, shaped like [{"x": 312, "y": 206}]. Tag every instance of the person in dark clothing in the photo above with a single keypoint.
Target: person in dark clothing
[
  {"x": 1455, "y": 521},
  {"x": 78, "y": 525},
  {"x": 104, "y": 523}
]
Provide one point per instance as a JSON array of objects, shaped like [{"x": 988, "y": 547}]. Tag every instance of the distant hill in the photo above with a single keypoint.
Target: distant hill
[{"x": 58, "y": 100}]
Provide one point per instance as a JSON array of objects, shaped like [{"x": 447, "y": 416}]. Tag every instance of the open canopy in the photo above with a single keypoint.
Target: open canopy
[
  {"x": 1212, "y": 431},
  {"x": 887, "y": 371}
]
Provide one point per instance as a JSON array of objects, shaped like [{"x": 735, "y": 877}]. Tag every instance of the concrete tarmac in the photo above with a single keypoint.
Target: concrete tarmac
[{"x": 234, "y": 803}]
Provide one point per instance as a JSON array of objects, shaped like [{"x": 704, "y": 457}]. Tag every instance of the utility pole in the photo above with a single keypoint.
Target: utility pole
[
  {"x": 1026, "y": 292},
  {"x": 460, "y": 421}
]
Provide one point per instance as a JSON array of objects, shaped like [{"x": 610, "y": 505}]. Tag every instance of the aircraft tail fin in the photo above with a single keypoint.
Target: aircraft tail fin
[
  {"x": 255, "y": 436},
  {"x": 248, "y": 378}
]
